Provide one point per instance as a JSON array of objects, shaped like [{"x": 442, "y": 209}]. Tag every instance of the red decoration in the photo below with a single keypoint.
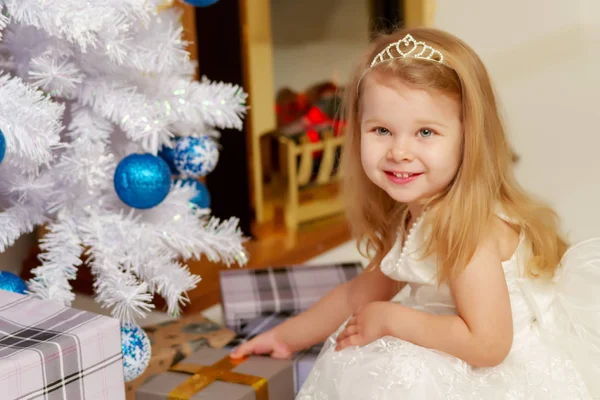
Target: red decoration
[{"x": 312, "y": 112}]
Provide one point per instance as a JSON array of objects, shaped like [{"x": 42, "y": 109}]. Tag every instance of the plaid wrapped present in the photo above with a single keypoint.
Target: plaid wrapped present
[
  {"x": 303, "y": 360},
  {"x": 247, "y": 294},
  {"x": 175, "y": 340},
  {"x": 48, "y": 351},
  {"x": 257, "y": 326}
]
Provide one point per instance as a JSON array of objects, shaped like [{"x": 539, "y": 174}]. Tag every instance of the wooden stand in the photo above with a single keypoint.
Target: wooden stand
[{"x": 306, "y": 200}]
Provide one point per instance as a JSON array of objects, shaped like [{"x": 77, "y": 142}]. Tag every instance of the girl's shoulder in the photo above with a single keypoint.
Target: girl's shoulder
[{"x": 506, "y": 234}]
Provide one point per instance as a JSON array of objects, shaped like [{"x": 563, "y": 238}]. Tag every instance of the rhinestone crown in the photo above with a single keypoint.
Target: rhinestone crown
[{"x": 408, "y": 47}]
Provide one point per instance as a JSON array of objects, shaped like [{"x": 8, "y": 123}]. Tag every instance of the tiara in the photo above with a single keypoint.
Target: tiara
[{"x": 408, "y": 47}]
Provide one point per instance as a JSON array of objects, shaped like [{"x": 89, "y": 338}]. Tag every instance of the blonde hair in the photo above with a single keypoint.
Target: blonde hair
[{"x": 458, "y": 217}]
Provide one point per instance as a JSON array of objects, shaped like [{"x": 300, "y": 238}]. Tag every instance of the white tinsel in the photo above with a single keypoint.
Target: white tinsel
[
  {"x": 15, "y": 221},
  {"x": 86, "y": 84},
  {"x": 55, "y": 74},
  {"x": 107, "y": 24},
  {"x": 61, "y": 252},
  {"x": 30, "y": 122},
  {"x": 3, "y": 22}
]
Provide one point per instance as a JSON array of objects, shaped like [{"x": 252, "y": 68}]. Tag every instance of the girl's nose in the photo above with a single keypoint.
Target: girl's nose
[{"x": 399, "y": 151}]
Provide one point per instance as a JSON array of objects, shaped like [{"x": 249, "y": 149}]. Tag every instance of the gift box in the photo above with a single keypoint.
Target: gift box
[
  {"x": 247, "y": 294},
  {"x": 303, "y": 361},
  {"x": 211, "y": 374},
  {"x": 257, "y": 326},
  {"x": 48, "y": 351},
  {"x": 174, "y": 340}
]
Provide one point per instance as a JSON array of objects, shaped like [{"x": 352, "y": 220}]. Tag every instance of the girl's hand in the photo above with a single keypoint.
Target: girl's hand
[
  {"x": 367, "y": 325},
  {"x": 265, "y": 343}
]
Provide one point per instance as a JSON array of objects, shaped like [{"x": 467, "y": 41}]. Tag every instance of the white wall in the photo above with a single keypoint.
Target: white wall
[
  {"x": 317, "y": 40},
  {"x": 544, "y": 58},
  {"x": 589, "y": 11}
]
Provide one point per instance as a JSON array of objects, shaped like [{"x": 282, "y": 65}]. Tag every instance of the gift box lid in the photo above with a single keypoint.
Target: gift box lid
[
  {"x": 247, "y": 293},
  {"x": 278, "y": 373},
  {"x": 287, "y": 277},
  {"x": 48, "y": 350},
  {"x": 303, "y": 361}
]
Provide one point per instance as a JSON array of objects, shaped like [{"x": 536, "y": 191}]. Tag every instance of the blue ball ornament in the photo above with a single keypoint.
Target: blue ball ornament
[
  {"x": 12, "y": 283},
  {"x": 168, "y": 154},
  {"x": 2, "y": 146},
  {"x": 142, "y": 180},
  {"x": 196, "y": 156},
  {"x": 202, "y": 199},
  {"x": 136, "y": 350},
  {"x": 201, "y": 3}
]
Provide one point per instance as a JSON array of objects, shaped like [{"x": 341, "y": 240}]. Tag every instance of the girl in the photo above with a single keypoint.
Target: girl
[{"x": 498, "y": 308}]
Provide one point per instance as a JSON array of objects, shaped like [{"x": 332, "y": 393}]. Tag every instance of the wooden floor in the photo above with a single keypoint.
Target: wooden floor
[{"x": 274, "y": 246}]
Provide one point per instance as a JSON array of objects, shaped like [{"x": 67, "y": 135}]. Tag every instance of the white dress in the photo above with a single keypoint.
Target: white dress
[{"x": 555, "y": 352}]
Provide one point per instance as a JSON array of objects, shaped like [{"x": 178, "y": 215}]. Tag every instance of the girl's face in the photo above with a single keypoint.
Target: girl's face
[{"x": 411, "y": 139}]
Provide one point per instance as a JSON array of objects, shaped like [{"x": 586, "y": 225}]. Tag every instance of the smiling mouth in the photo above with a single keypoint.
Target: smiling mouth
[{"x": 402, "y": 177}]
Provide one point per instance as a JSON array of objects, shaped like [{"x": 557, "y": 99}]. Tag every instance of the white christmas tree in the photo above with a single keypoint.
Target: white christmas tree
[{"x": 84, "y": 85}]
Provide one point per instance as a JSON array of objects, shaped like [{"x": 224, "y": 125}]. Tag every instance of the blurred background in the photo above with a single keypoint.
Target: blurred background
[{"x": 293, "y": 58}]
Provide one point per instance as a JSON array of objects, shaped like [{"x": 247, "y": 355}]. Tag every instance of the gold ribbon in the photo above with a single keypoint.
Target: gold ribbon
[{"x": 202, "y": 376}]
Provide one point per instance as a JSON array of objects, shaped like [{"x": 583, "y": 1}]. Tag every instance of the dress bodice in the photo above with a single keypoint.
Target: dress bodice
[{"x": 405, "y": 263}]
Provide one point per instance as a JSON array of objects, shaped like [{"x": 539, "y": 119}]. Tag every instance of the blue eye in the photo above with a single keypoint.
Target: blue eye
[
  {"x": 382, "y": 131},
  {"x": 426, "y": 133}
]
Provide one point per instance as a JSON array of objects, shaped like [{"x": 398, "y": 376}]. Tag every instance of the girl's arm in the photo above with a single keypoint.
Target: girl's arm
[
  {"x": 323, "y": 318},
  {"x": 482, "y": 332}
]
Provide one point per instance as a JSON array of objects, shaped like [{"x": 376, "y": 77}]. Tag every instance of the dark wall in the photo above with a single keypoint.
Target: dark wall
[
  {"x": 387, "y": 15},
  {"x": 220, "y": 59}
]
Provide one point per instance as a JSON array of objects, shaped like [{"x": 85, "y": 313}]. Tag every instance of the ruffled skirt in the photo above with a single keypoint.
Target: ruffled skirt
[{"x": 390, "y": 368}]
